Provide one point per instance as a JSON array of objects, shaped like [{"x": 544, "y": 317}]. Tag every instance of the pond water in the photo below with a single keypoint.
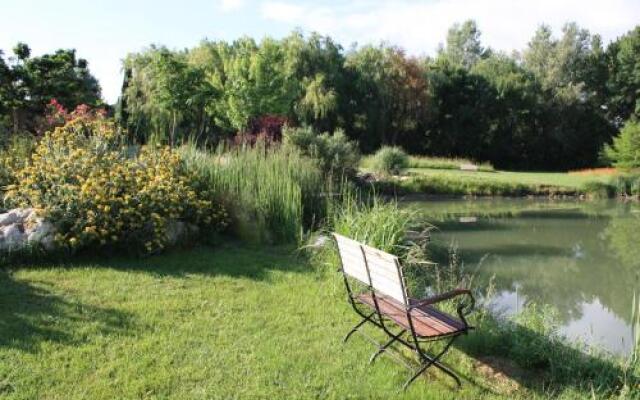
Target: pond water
[{"x": 583, "y": 258}]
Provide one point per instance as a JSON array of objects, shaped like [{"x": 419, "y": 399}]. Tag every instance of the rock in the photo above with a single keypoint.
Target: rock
[
  {"x": 21, "y": 227},
  {"x": 13, "y": 236},
  {"x": 43, "y": 233},
  {"x": 8, "y": 218}
]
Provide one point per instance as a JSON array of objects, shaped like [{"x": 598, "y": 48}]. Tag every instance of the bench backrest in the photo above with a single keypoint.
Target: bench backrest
[{"x": 375, "y": 268}]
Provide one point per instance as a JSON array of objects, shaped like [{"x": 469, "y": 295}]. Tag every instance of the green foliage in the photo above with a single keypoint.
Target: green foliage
[
  {"x": 389, "y": 161},
  {"x": 553, "y": 108},
  {"x": 98, "y": 191},
  {"x": 28, "y": 84},
  {"x": 599, "y": 190},
  {"x": 272, "y": 193},
  {"x": 627, "y": 185},
  {"x": 623, "y": 77},
  {"x": 390, "y": 95},
  {"x": 463, "y": 45},
  {"x": 13, "y": 156},
  {"x": 375, "y": 222},
  {"x": 625, "y": 150},
  {"x": 336, "y": 154}
]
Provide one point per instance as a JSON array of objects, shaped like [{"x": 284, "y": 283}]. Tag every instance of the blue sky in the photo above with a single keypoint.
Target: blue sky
[{"x": 103, "y": 32}]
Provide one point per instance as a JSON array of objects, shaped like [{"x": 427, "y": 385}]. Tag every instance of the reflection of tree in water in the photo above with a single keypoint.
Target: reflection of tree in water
[
  {"x": 560, "y": 260},
  {"x": 623, "y": 237}
]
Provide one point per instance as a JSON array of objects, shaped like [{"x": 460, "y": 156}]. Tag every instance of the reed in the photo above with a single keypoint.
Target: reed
[{"x": 273, "y": 193}]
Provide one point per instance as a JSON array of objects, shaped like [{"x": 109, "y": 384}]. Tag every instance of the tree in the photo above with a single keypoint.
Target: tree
[
  {"x": 163, "y": 91},
  {"x": 463, "y": 45},
  {"x": 390, "y": 95},
  {"x": 625, "y": 150},
  {"x": 28, "y": 84},
  {"x": 623, "y": 59}
]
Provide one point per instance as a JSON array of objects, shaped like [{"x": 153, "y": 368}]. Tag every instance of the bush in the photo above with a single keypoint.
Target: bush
[
  {"x": 389, "y": 161},
  {"x": 599, "y": 190},
  {"x": 98, "y": 191},
  {"x": 335, "y": 153},
  {"x": 625, "y": 150},
  {"x": 627, "y": 185},
  {"x": 13, "y": 156}
]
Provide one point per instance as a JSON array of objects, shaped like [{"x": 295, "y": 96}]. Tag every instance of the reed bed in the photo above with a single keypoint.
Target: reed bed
[{"x": 273, "y": 192}]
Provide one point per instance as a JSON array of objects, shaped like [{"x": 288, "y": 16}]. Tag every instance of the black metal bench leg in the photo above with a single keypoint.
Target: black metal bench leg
[
  {"x": 432, "y": 361},
  {"x": 385, "y": 346},
  {"x": 355, "y": 328}
]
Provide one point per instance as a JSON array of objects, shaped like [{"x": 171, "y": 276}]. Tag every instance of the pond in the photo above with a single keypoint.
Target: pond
[{"x": 583, "y": 258}]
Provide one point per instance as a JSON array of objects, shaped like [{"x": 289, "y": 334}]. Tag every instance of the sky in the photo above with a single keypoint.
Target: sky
[{"x": 105, "y": 31}]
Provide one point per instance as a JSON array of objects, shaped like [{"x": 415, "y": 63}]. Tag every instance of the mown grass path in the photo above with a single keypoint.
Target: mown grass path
[{"x": 228, "y": 322}]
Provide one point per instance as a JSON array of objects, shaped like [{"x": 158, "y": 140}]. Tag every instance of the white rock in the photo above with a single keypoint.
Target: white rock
[
  {"x": 9, "y": 218},
  {"x": 22, "y": 227},
  {"x": 13, "y": 235},
  {"x": 41, "y": 230}
]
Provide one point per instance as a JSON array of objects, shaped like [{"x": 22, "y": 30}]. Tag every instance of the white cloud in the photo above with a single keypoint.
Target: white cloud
[
  {"x": 231, "y": 5},
  {"x": 419, "y": 26}
]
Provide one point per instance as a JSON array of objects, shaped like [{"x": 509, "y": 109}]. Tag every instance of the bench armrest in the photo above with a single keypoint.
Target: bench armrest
[{"x": 463, "y": 309}]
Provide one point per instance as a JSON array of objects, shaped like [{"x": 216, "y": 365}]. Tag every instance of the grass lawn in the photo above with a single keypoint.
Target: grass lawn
[
  {"x": 227, "y": 322},
  {"x": 528, "y": 178}
]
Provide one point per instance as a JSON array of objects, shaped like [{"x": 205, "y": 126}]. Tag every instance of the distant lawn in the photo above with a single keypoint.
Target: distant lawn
[
  {"x": 234, "y": 322},
  {"x": 529, "y": 178}
]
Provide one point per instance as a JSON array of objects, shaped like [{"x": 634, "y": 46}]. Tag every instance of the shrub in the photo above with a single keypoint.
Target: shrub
[
  {"x": 625, "y": 150},
  {"x": 97, "y": 191},
  {"x": 13, "y": 156},
  {"x": 627, "y": 185},
  {"x": 599, "y": 190},
  {"x": 335, "y": 153},
  {"x": 389, "y": 160}
]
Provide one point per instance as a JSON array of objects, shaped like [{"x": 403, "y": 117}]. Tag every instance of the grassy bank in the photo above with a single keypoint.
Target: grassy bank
[
  {"x": 504, "y": 183},
  {"x": 240, "y": 322}
]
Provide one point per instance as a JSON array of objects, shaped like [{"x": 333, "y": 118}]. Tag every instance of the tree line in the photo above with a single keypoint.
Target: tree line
[{"x": 550, "y": 106}]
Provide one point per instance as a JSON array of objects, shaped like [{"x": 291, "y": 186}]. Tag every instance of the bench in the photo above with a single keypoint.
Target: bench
[{"x": 383, "y": 301}]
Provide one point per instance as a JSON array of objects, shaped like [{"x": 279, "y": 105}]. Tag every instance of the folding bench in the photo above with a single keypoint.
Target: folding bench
[{"x": 385, "y": 304}]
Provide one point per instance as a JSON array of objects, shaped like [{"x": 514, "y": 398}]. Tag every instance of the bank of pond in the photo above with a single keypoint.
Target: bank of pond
[{"x": 625, "y": 186}]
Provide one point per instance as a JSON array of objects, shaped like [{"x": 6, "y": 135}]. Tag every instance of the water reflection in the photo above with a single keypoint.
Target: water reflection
[{"x": 582, "y": 258}]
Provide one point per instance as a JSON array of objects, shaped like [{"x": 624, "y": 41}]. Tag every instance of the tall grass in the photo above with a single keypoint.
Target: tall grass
[
  {"x": 371, "y": 220},
  {"x": 272, "y": 193},
  {"x": 635, "y": 329}
]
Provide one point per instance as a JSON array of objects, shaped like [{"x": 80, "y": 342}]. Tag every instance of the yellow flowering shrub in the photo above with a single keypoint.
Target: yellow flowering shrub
[
  {"x": 98, "y": 191},
  {"x": 13, "y": 157}
]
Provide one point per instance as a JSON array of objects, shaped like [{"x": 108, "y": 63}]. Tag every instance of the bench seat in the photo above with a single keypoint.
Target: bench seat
[{"x": 427, "y": 320}]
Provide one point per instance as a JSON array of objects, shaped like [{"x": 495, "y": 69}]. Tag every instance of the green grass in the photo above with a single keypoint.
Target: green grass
[
  {"x": 561, "y": 179},
  {"x": 497, "y": 183},
  {"x": 446, "y": 163},
  {"x": 231, "y": 322}
]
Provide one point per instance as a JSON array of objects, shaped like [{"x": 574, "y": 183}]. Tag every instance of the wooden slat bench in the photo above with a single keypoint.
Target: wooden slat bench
[{"x": 385, "y": 303}]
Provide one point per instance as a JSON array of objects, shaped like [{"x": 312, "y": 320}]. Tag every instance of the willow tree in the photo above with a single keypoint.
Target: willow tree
[{"x": 162, "y": 92}]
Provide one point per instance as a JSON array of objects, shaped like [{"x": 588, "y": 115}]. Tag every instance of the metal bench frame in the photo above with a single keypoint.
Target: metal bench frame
[{"x": 414, "y": 341}]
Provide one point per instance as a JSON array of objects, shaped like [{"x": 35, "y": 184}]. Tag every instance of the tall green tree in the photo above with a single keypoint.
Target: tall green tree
[
  {"x": 391, "y": 96},
  {"x": 463, "y": 46},
  {"x": 623, "y": 59}
]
